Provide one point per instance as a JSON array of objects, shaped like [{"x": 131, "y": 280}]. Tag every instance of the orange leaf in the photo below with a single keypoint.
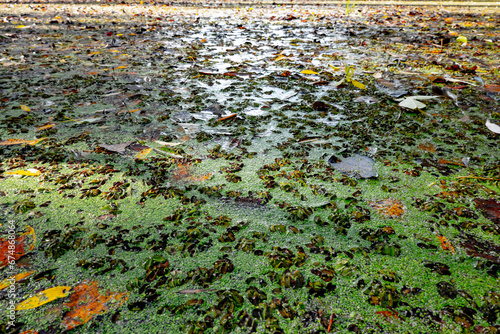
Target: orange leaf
[
  {"x": 45, "y": 127},
  {"x": 183, "y": 173},
  {"x": 492, "y": 88},
  {"x": 389, "y": 207},
  {"x": 20, "y": 244},
  {"x": 25, "y": 108},
  {"x": 120, "y": 67},
  {"x": 86, "y": 302},
  {"x": 427, "y": 147},
  {"x": 20, "y": 141},
  {"x": 445, "y": 244},
  {"x": 227, "y": 117},
  {"x": 389, "y": 314}
]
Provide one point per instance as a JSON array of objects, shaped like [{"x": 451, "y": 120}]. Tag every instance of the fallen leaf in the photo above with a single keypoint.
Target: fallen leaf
[
  {"x": 29, "y": 172},
  {"x": 412, "y": 102},
  {"x": 168, "y": 143},
  {"x": 389, "y": 207},
  {"x": 334, "y": 68},
  {"x": 44, "y": 297},
  {"x": 142, "y": 154},
  {"x": 25, "y": 108},
  {"x": 281, "y": 57},
  {"x": 226, "y": 117},
  {"x": 118, "y": 148},
  {"x": 45, "y": 127},
  {"x": 20, "y": 141},
  {"x": 490, "y": 208},
  {"x": 21, "y": 243},
  {"x": 358, "y": 84},
  {"x": 492, "y": 126},
  {"x": 183, "y": 173},
  {"x": 8, "y": 281},
  {"x": 308, "y": 72},
  {"x": 492, "y": 88},
  {"x": 86, "y": 302},
  {"x": 193, "y": 291},
  {"x": 445, "y": 243},
  {"x": 427, "y": 147}
]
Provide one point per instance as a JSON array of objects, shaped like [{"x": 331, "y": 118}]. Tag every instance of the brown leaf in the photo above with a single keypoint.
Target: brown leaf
[
  {"x": 490, "y": 208},
  {"x": 118, "y": 148},
  {"x": 193, "y": 291},
  {"x": 86, "y": 301}
]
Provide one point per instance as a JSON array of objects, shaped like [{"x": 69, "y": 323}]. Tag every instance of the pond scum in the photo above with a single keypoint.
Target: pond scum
[{"x": 176, "y": 170}]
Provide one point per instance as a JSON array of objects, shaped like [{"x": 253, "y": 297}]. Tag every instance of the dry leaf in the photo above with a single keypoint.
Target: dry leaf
[
  {"x": 389, "y": 207},
  {"x": 308, "y": 72},
  {"x": 29, "y": 172},
  {"x": 193, "y": 291},
  {"x": 25, "y": 108},
  {"x": 21, "y": 243},
  {"x": 445, "y": 244},
  {"x": 118, "y": 148},
  {"x": 86, "y": 302},
  {"x": 492, "y": 126},
  {"x": 281, "y": 57},
  {"x": 9, "y": 142},
  {"x": 44, "y": 297},
  {"x": 412, "y": 102},
  {"x": 8, "y": 281},
  {"x": 142, "y": 154},
  {"x": 45, "y": 127}
]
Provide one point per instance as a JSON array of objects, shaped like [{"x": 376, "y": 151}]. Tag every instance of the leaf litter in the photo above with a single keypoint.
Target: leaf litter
[{"x": 233, "y": 150}]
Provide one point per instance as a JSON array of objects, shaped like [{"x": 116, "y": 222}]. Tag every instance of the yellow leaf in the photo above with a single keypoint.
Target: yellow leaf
[
  {"x": 21, "y": 26},
  {"x": 308, "y": 72},
  {"x": 25, "y": 108},
  {"x": 44, "y": 297},
  {"x": 45, "y": 127},
  {"x": 334, "y": 68},
  {"x": 142, "y": 154},
  {"x": 29, "y": 172},
  {"x": 8, "y": 281},
  {"x": 120, "y": 67},
  {"x": 94, "y": 53},
  {"x": 281, "y": 57},
  {"x": 358, "y": 84},
  {"x": 462, "y": 39}
]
